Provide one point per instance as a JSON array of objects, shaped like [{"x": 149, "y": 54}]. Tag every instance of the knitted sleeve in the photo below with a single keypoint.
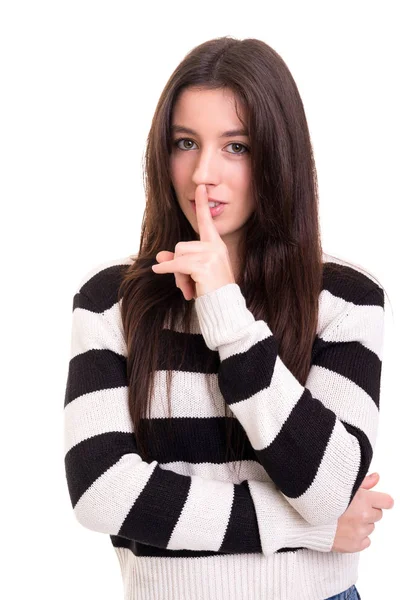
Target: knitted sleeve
[
  {"x": 314, "y": 441},
  {"x": 113, "y": 491}
]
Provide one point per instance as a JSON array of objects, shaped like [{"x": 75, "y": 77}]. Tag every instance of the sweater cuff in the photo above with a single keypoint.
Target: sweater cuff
[
  {"x": 281, "y": 526},
  {"x": 315, "y": 537},
  {"x": 223, "y": 315}
]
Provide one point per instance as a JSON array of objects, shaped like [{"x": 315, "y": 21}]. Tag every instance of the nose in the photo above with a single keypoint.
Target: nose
[{"x": 206, "y": 169}]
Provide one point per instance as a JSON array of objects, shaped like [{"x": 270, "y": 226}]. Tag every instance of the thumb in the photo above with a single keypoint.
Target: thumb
[
  {"x": 164, "y": 255},
  {"x": 370, "y": 481}
]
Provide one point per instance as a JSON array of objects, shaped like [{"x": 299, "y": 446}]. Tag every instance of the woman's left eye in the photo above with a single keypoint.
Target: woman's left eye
[
  {"x": 238, "y": 144},
  {"x": 246, "y": 149}
]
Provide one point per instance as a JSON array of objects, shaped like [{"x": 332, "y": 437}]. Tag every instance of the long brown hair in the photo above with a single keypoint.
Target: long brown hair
[{"x": 280, "y": 251}]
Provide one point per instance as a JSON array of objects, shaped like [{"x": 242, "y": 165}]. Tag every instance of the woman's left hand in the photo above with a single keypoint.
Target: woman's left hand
[{"x": 199, "y": 266}]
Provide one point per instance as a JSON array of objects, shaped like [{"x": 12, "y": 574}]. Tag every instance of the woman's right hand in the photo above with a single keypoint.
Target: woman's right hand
[{"x": 357, "y": 523}]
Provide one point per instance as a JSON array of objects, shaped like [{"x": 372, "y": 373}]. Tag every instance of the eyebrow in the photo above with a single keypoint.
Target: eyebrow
[{"x": 230, "y": 133}]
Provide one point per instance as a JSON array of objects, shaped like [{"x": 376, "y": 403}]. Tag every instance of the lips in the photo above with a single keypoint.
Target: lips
[{"x": 213, "y": 200}]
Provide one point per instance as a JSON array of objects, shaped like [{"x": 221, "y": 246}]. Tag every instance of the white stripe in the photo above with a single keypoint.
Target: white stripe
[
  {"x": 204, "y": 517},
  {"x": 329, "y": 495},
  {"x": 331, "y": 310},
  {"x": 107, "y": 410},
  {"x": 95, "y": 413},
  {"x": 113, "y": 315},
  {"x": 91, "y": 331},
  {"x": 338, "y": 320},
  {"x": 346, "y": 399},
  {"x": 190, "y": 396},
  {"x": 106, "y": 503},
  {"x": 363, "y": 324},
  {"x": 264, "y": 414},
  {"x": 235, "y": 471}
]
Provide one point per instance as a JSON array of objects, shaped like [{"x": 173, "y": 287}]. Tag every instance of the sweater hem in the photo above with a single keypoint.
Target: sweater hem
[{"x": 301, "y": 575}]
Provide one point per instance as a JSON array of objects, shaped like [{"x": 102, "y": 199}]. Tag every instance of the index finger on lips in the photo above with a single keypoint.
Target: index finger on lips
[{"x": 207, "y": 229}]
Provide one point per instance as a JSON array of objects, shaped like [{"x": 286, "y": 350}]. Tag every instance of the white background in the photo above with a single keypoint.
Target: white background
[{"x": 79, "y": 85}]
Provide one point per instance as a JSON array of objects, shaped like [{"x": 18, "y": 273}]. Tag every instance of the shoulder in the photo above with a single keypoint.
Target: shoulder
[
  {"x": 100, "y": 284},
  {"x": 349, "y": 281},
  {"x": 348, "y": 288}
]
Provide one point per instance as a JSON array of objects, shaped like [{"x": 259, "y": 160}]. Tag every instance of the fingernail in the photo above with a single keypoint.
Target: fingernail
[{"x": 373, "y": 475}]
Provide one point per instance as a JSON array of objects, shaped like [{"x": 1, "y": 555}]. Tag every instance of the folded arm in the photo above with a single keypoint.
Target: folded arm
[{"x": 314, "y": 441}]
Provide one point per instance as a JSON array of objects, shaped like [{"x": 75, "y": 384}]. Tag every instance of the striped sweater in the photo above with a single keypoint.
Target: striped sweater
[{"x": 189, "y": 525}]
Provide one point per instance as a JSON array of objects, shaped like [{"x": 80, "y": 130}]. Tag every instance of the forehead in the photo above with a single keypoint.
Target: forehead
[{"x": 212, "y": 107}]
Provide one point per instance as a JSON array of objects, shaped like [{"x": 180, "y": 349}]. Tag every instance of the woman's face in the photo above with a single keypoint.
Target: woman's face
[{"x": 206, "y": 155}]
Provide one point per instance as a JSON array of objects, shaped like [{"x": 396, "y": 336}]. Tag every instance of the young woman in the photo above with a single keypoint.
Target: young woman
[{"x": 222, "y": 401}]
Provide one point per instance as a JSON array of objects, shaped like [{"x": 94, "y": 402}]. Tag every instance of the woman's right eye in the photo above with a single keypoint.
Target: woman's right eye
[{"x": 176, "y": 143}]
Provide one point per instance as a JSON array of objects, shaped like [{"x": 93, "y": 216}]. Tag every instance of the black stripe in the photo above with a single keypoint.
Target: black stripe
[
  {"x": 189, "y": 440},
  {"x": 340, "y": 280},
  {"x": 375, "y": 297},
  {"x": 347, "y": 283},
  {"x": 195, "y": 440},
  {"x": 89, "y": 459},
  {"x": 242, "y": 535},
  {"x": 243, "y": 375},
  {"x": 242, "y": 530},
  {"x": 293, "y": 457},
  {"x": 352, "y": 360},
  {"x": 156, "y": 511},
  {"x": 139, "y": 549},
  {"x": 82, "y": 301},
  {"x": 240, "y": 375},
  {"x": 102, "y": 288},
  {"x": 189, "y": 353},
  {"x": 366, "y": 456},
  {"x": 93, "y": 371}
]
